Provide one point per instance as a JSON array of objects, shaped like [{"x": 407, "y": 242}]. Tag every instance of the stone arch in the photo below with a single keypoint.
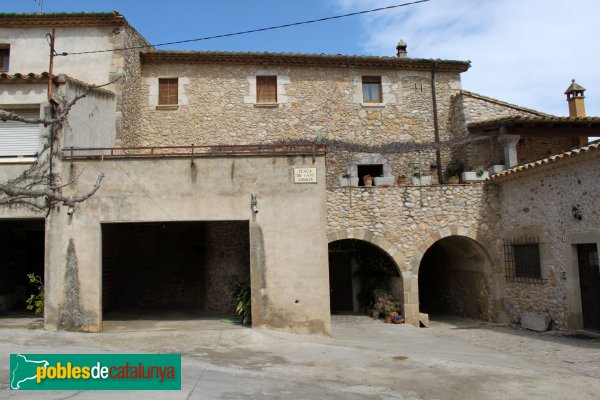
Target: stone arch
[
  {"x": 384, "y": 244},
  {"x": 447, "y": 232},
  {"x": 359, "y": 264},
  {"x": 468, "y": 282}
]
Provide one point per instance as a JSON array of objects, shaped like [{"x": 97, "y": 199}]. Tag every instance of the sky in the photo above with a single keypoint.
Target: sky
[{"x": 522, "y": 51}]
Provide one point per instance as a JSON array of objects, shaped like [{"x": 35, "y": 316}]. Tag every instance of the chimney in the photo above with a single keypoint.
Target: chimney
[
  {"x": 576, "y": 102},
  {"x": 575, "y": 99},
  {"x": 401, "y": 49}
]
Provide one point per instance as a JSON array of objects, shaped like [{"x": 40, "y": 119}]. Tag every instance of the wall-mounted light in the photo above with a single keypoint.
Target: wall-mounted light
[
  {"x": 254, "y": 204},
  {"x": 576, "y": 211},
  {"x": 70, "y": 210}
]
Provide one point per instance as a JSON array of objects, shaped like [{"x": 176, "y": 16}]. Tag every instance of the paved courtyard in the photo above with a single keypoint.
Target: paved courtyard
[{"x": 363, "y": 359}]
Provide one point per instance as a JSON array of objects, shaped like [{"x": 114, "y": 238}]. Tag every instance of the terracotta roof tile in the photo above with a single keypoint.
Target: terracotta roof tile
[
  {"x": 336, "y": 60},
  {"x": 593, "y": 147}
]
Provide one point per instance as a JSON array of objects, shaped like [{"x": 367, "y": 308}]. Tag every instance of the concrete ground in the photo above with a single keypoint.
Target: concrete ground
[{"x": 363, "y": 359}]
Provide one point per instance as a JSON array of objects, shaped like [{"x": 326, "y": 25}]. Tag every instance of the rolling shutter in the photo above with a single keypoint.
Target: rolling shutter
[{"x": 19, "y": 138}]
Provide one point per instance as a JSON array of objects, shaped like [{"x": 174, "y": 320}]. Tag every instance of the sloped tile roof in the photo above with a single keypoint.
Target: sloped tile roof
[
  {"x": 61, "y": 19},
  {"x": 334, "y": 60},
  {"x": 548, "y": 121},
  {"x": 23, "y": 78},
  {"x": 591, "y": 148}
]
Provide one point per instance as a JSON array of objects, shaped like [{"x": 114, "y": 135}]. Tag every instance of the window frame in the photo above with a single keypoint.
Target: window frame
[
  {"x": 372, "y": 80},
  {"x": 172, "y": 85},
  {"x": 266, "y": 98}
]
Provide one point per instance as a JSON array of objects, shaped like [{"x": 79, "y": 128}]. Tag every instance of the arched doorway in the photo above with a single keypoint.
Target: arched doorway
[
  {"x": 356, "y": 270},
  {"x": 454, "y": 276}
]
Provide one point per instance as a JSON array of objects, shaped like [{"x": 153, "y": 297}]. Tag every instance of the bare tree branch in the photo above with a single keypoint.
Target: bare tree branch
[{"x": 38, "y": 188}]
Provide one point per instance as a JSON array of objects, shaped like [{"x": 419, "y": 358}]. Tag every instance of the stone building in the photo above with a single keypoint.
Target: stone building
[{"x": 224, "y": 166}]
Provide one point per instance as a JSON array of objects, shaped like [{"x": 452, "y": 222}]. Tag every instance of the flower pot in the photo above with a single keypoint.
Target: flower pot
[
  {"x": 402, "y": 181},
  {"x": 423, "y": 180},
  {"x": 368, "y": 181},
  {"x": 471, "y": 176},
  {"x": 398, "y": 319},
  {"x": 348, "y": 181},
  {"x": 383, "y": 180},
  {"x": 388, "y": 319},
  {"x": 495, "y": 169},
  {"x": 455, "y": 181}
]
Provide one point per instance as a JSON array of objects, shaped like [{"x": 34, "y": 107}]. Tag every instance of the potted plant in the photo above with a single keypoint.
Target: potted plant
[
  {"x": 383, "y": 180},
  {"x": 368, "y": 180},
  {"x": 496, "y": 168},
  {"x": 454, "y": 170},
  {"x": 478, "y": 175},
  {"x": 454, "y": 180},
  {"x": 387, "y": 305},
  {"x": 419, "y": 179},
  {"x": 402, "y": 180},
  {"x": 348, "y": 180}
]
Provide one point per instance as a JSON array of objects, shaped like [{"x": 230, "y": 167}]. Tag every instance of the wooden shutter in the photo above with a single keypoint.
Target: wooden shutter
[
  {"x": 19, "y": 138},
  {"x": 266, "y": 89},
  {"x": 168, "y": 91}
]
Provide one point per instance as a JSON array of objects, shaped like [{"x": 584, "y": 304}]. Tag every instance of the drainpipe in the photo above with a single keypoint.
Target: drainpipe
[{"x": 436, "y": 128}]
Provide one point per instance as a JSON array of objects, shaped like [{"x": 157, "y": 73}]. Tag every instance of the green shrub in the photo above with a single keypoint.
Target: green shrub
[
  {"x": 36, "y": 300},
  {"x": 241, "y": 299}
]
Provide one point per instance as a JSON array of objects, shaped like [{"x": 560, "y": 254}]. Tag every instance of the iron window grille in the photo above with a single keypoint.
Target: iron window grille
[{"x": 522, "y": 260}]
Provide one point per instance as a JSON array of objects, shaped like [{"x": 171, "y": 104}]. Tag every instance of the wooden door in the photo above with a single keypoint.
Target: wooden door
[
  {"x": 340, "y": 282},
  {"x": 589, "y": 281}
]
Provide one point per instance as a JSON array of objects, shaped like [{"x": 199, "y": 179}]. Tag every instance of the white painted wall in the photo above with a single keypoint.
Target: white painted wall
[{"x": 29, "y": 51}]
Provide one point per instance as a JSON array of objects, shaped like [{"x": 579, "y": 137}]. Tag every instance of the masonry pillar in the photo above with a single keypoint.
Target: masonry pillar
[{"x": 510, "y": 147}]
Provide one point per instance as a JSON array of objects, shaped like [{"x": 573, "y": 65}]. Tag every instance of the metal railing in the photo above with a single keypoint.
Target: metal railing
[{"x": 237, "y": 150}]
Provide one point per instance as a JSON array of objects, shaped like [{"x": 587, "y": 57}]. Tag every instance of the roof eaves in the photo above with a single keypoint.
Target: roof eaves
[
  {"x": 557, "y": 158},
  {"x": 164, "y": 56},
  {"x": 62, "y": 19}
]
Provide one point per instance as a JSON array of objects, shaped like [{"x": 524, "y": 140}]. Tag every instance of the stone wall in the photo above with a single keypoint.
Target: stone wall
[
  {"x": 540, "y": 202},
  {"x": 405, "y": 221},
  {"x": 227, "y": 261},
  {"x": 317, "y": 101},
  {"x": 470, "y": 107},
  {"x": 128, "y": 64}
]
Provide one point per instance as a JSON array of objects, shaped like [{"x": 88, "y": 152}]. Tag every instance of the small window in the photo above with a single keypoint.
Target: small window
[
  {"x": 371, "y": 170},
  {"x": 371, "y": 86},
  {"x": 522, "y": 260},
  {"x": 266, "y": 89},
  {"x": 167, "y": 91},
  {"x": 4, "y": 57}
]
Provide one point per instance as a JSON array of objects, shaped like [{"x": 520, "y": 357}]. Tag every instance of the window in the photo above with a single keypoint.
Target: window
[
  {"x": 167, "y": 91},
  {"x": 4, "y": 56},
  {"x": 371, "y": 86},
  {"x": 522, "y": 260},
  {"x": 372, "y": 170},
  {"x": 266, "y": 89},
  {"x": 19, "y": 139}
]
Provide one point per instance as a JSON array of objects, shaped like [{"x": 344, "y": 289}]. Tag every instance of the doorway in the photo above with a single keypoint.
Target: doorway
[{"x": 589, "y": 281}]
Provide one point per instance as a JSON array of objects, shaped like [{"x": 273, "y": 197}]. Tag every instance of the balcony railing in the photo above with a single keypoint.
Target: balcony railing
[{"x": 75, "y": 153}]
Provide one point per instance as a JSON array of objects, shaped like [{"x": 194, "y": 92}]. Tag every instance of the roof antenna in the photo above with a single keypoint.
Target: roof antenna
[{"x": 40, "y": 5}]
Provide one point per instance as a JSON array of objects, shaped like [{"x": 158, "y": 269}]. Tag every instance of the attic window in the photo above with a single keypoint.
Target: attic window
[{"x": 4, "y": 57}]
